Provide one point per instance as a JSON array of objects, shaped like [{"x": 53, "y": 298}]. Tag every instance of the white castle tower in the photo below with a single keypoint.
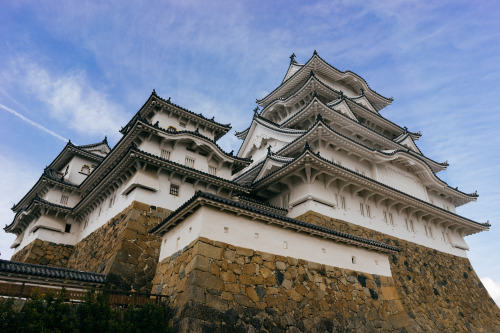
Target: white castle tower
[{"x": 328, "y": 216}]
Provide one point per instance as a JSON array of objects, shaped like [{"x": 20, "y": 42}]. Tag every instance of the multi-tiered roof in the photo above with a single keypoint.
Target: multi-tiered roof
[{"x": 318, "y": 113}]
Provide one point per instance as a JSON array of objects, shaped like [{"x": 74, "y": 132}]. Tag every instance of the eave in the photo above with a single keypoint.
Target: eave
[
  {"x": 239, "y": 208},
  {"x": 155, "y": 103},
  {"x": 134, "y": 158},
  {"x": 380, "y": 192},
  {"x": 38, "y": 187},
  {"x": 316, "y": 106}
]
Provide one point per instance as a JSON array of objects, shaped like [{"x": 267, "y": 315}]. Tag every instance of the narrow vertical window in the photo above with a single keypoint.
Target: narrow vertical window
[
  {"x": 189, "y": 162},
  {"x": 367, "y": 210},
  {"x": 361, "y": 209},
  {"x": 67, "y": 228},
  {"x": 165, "y": 154},
  {"x": 64, "y": 200},
  {"x": 385, "y": 217},
  {"x": 342, "y": 202}
]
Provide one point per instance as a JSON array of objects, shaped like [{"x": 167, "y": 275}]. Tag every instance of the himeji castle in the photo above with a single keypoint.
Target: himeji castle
[{"x": 328, "y": 218}]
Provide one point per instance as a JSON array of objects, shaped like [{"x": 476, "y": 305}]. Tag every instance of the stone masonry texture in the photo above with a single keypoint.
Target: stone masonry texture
[
  {"x": 122, "y": 249},
  {"x": 217, "y": 287},
  {"x": 45, "y": 253}
]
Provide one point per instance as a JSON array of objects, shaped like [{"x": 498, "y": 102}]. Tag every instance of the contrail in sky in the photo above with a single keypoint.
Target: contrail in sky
[{"x": 31, "y": 122}]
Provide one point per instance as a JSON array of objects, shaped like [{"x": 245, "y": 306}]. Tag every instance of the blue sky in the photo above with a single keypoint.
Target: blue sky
[{"x": 80, "y": 70}]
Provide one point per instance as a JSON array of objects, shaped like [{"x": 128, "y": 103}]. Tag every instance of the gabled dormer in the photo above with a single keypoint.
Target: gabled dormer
[
  {"x": 165, "y": 114},
  {"x": 296, "y": 74},
  {"x": 407, "y": 141}
]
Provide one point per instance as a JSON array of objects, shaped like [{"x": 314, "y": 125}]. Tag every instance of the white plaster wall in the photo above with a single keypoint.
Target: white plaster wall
[
  {"x": 179, "y": 153},
  {"x": 337, "y": 86},
  {"x": 55, "y": 194},
  {"x": 241, "y": 231},
  {"x": 75, "y": 166},
  {"x": 49, "y": 235},
  {"x": 160, "y": 198},
  {"x": 441, "y": 202},
  {"x": 401, "y": 180},
  {"x": 304, "y": 198},
  {"x": 165, "y": 121}
]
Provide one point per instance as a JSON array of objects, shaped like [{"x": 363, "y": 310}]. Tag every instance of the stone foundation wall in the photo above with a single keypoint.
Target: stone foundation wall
[
  {"x": 222, "y": 288},
  {"x": 44, "y": 253},
  {"x": 439, "y": 291},
  {"x": 122, "y": 248}
]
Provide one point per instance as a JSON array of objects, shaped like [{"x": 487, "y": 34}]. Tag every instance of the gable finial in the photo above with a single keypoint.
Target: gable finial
[
  {"x": 311, "y": 73},
  {"x": 315, "y": 53},
  {"x": 406, "y": 129},
  {"x": 306, "y": 146},
  {"x": 362, "y": 92},
  {"x": 319, "y": 117},
  {"x": 315, "y": 94},
  {"x": 341, "y": 94},
  {"x": 269, "y": 153},
  {"x": 292, "y": 59},
  {"x": 154, "y": 92},
  {"x": 256, "y": 111}
]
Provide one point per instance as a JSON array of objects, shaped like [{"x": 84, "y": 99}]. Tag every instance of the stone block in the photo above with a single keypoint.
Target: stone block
[
  {"x": 216, "y": 302},
  {"x": 242, "y": 300},
  {"x": 280, "y": 265},
  {"x": 252, "y": 294},
  {"x": 244, "y": 251},
  {"x": 294, "y": 295},
  {"x": 205, "y": 280},
  {"x": 250, "y": 269},
  {"x": 265, "y": 272},
  {"x": 399, "y": 320},
  {"x": 390, "y": 293},
  {"x": 207, "y": 250}
]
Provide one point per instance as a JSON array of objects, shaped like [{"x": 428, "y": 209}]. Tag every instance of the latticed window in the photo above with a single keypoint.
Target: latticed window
[
  {"x": 165, "y": 154},
  {"x": 64, "y": 200},
  {"x": 189, "y": 162},
  {"x": 212, "y": 170},
  {"x": 174, "y": 189}
]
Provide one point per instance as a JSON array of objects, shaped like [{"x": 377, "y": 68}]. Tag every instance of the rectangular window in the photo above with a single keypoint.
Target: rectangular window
[
  {"x": 67, "y": 228},
  {"x": 64, "y": 200},
  {"x": 165, "y": 154},
  {"x": 174, "y": 189},
  {"x": 212, "y": 170},
  {"x": 182, "y": 123},
  {"x": 189, "y": 162},
  {"x": 385, "y": 217},
  {"x": 367, "y": 210},
  {"x": 361, "y": 209}
]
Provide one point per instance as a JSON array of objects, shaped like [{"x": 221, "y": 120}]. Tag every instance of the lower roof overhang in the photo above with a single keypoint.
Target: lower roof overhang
[{"x": 309, "y": 165}]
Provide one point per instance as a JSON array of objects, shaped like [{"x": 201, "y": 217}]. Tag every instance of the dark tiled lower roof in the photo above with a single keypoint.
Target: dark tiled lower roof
[
  {"x": 43, "y": 271},
  {"x": 253, "y": 209}
]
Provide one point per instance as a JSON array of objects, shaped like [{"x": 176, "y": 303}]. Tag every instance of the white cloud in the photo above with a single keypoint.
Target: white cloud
[
  {"x": 70, "y": 98},
  {"x": 493, "y": 288}
]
